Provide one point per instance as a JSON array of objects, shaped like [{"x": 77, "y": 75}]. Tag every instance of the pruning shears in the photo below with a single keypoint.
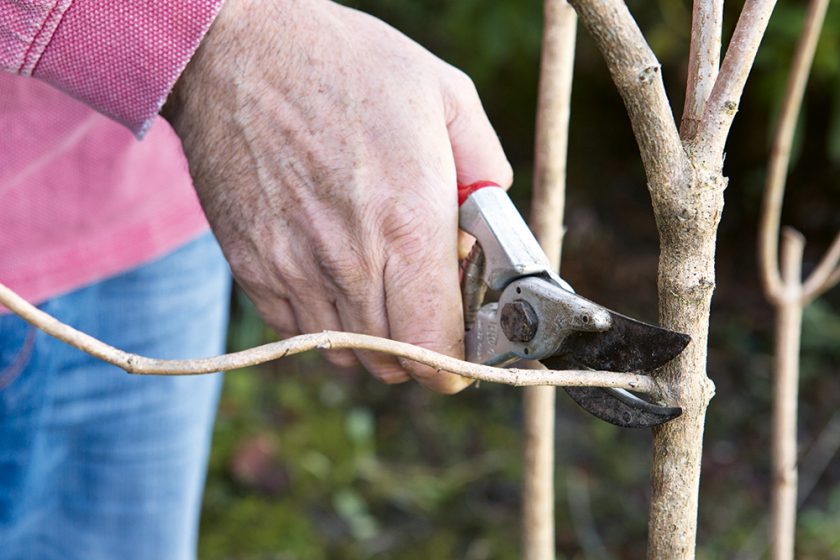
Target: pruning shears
[{"x": 538, "y": 316}]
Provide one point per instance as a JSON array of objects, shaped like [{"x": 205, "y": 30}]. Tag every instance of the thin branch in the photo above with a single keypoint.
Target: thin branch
[
  {"x": 703, "y": 62},
  {"x": 726, "y": 94},
  {"x": 552, "y": 130},
  {"x": 546, "y": 220},
  {"x": 636, "y": 73},
  {"x": 774, "y": 190},
  {"x": 825, "y": 275},
  {"x": 133, "y": 363},
  {"x": 785, "y": 397},
  {"x": 834, "y": 279}
]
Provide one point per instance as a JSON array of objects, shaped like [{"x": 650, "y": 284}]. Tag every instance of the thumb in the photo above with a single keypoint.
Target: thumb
[{"x": 476, "y": 148}]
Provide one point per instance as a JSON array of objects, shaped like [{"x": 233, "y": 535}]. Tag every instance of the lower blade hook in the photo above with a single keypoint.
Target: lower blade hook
[{"x": 622, "y": 408}]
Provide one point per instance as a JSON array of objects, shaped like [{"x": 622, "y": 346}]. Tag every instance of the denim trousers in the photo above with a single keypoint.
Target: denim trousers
[{"x": 96, "y": 463}]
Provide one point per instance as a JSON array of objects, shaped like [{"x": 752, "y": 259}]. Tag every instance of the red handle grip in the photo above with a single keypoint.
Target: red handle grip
[{"x": 464, "y": 191}]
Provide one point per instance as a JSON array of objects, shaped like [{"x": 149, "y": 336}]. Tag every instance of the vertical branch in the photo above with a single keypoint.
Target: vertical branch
[
  {"x": 703, "y": 62},
  {"x": 774, "y": 189},
  {"x": 784, "y": 288},
  {"x": 552, "y": 132},
  {"x": 547, "y": 223},
  {"x": 726, "y": 94},
  {"x": 636, "y": 73},
  {"x": 785, "y": 395}
]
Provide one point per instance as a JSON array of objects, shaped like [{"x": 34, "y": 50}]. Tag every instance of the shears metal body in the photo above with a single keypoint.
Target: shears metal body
[{"x": 538, "y": 316}]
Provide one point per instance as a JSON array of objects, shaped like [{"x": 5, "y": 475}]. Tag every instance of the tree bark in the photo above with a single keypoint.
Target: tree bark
[{"x": 546, "y": 220}]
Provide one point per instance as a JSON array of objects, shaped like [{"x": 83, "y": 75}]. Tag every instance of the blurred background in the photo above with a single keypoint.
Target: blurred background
[{"x": 312, "y": 463}]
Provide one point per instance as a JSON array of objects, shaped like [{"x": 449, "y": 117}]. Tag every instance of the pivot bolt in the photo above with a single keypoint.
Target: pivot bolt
[{"x": 519, "y": 321}]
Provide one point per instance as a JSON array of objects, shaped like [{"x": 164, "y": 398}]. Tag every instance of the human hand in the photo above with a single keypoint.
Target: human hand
[{"x": 325, "y": 147}]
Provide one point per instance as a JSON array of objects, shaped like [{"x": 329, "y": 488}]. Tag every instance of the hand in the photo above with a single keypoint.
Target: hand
[{"x": 325, "y": 147}]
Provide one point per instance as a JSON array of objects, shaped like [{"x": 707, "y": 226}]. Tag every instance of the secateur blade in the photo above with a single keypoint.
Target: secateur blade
[
  {"x": 621, "y": 408},
  {"x": 645, "y": 348},
  {"x": 628, "y": 345}
]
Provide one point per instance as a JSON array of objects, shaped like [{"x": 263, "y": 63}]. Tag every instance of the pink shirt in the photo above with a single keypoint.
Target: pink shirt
[{"x": 80, "y": 197}]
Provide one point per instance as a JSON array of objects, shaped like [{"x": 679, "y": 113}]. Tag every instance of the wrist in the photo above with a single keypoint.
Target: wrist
[{"x": 203, "y": 70}]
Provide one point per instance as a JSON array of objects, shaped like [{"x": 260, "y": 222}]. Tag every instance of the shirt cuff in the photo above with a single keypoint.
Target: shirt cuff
[{"x": 122, "y": 57}]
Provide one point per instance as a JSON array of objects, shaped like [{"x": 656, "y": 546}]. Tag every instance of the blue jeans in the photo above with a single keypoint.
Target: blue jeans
[{"x": 95, "y": 463}]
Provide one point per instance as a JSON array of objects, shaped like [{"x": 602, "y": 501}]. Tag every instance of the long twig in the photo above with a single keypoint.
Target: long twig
[
  {"x": 774, "y": 189},
  {"x": 825, "y": 275},
  {"x": 133, "y": 363},
  {"x": 546, "y": 220},
  {"x": 726, "y": 94},
  {"x": 703, "y": 62},
  {"x": 787, "y": 292}
]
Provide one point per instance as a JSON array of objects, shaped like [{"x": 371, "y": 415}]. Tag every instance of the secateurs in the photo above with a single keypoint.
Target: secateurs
[{"x": 538, "y": 316}]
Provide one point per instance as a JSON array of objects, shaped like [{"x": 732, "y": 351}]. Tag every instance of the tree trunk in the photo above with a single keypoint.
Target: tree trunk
[{"x": 686, "y": 282}]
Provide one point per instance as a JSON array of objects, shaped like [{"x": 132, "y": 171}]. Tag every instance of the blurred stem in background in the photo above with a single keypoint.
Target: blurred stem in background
[
  {"x": 547, "y": 205},
  {"x": 784, "y": 287}
]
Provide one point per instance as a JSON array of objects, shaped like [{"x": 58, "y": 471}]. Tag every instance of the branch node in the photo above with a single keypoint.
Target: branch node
[{"x": 648, "y": 74}]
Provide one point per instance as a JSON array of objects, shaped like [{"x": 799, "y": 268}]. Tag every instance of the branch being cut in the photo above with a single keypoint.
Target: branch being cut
[
  {"x": 723, "y": 101},
  {"x": 133, "y": 363},
  {"x": 703, "y": 62}
]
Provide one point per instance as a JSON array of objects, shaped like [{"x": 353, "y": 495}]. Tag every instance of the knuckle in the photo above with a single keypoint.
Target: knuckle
[
  {"x": 407, "y": 234},
  {"x": 463, "y": 85},
  {"x": 346, "y": 270},
  {"x": 506, "y": 174}
]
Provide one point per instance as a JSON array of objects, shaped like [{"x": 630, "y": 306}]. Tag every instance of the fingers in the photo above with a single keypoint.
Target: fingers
[
  {"x": 465, "y": 244},
  {"x": 279, "y": 315},
  {"x": 423, "y": 299},
  {"x": 475, "y": 146},
  {"x": 366, "y": 314},
  {"x": 319, "y": 314}
]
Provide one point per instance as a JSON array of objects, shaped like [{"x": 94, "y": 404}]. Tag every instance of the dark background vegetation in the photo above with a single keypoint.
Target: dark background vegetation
[{"x": 311, "y": 463}]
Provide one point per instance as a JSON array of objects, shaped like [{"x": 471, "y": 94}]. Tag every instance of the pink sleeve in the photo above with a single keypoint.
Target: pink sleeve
[{"x": 121, "y": 57}]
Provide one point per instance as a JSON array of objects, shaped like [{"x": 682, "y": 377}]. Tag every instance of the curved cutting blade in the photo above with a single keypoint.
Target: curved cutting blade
[
  {"x": 628, "y": 345},
  {"x": 621, "y": 407}
]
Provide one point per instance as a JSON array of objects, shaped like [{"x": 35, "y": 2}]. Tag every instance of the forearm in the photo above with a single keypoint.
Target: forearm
[{"x": 119, "y": 57}]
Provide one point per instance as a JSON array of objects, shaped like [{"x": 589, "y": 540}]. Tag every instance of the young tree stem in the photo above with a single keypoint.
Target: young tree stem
[
  {"x": 556, "y": 69},
  {"x": 785, "y": 398}
]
